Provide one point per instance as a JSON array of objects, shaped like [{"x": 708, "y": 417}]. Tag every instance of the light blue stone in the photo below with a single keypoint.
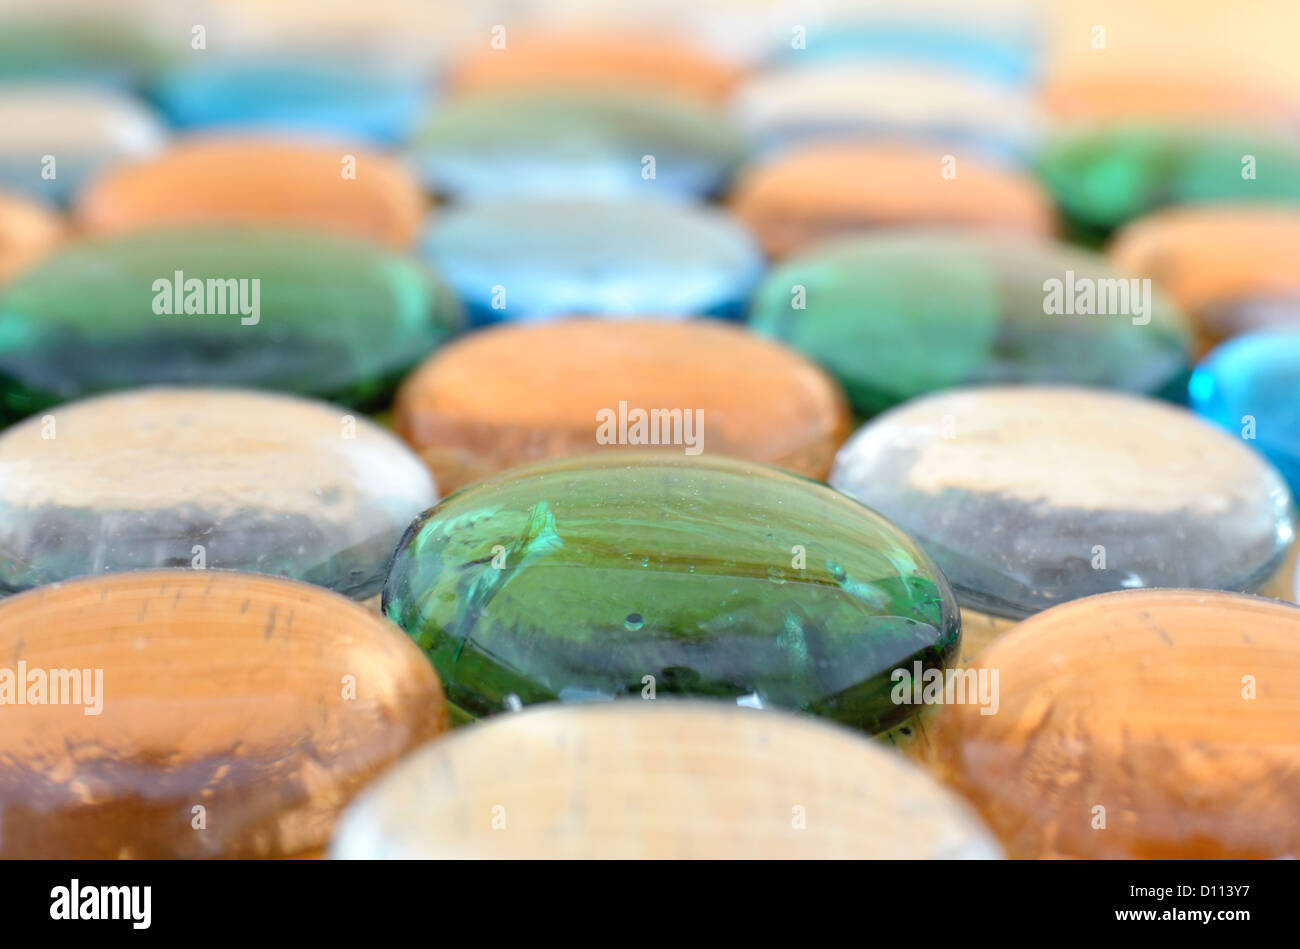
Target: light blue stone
[
  {"x": 354, "y": 100},
  {"x": 540, "y": 259},
  {"x": 1251, "y": 387},
  {"x": 1008, "y": 55},
  {"x": 568, "y": 143}
]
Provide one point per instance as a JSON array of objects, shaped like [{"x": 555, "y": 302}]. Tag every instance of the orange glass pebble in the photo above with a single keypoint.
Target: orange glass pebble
[
  {"x": 27, "y": 232},
  {"x": 1149, "y": 724},
  {"x": 821, "y": 191},
  {"x": 1128, "y": 94},
  {"x": 598, "y": 60},
  {"x": 188, "y": 713},
  {"x": 1232, "y": 268},
  {"x": 259, "y": 181},
  {"x": 519, "y": 393}
]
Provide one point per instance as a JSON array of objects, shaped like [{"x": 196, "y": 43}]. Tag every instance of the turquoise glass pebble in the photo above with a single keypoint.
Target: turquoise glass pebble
[
  {"x": 540, "y": 259},
  {"x": 576, "y": 144},
  {"x": 576, "y": 579},
  {"x": 1250, "y": 386},
  {"x": 895, "y": 315},
  {"x": 333, "y": 317},
  {"x": 1107, "y": 173},
  {"x": 336, "y": 99}
]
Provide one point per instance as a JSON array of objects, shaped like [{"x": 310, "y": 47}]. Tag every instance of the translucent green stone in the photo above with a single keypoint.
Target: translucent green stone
[
  {"x": 582, "y": 578},
  {"x": 897, "y": 315},
  {"x": 1106, "y": 174},
  {"x": 336, "y": 318}
]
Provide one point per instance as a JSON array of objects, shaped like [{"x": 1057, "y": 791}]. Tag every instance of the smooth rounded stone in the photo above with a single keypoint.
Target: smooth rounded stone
[
  {"x": 201, "y": 714},
  {"x": 946, "y": 109},
  {"x": 58, "y": 135},
  {"x": 576, "y": 579},
  {"x": 574, "y": 143},
  {"x": 540, "y": 259},
  {"x": 662, "y": 780},
  {"x": 352, "y": 98},
  {"x": 1104, "y": 174},
  {"x": 340, "y": 189},
  {"x": 223, "y": 478},
  {"x": 1153, "y": 95},
  {"x": 814, "y": 192},
  {"x": 896, "y": 315},
  {"x": 1232, "y": 268},
  {"x": 589, "y": 59},
  {"x": 996, "y": 40},
  {"x": 1151, "y": 724},
  {"x": 28, "y": 232},
  {"x": 1250, "y": 387},
  {"x": 473, "y": 408},
  {"x": 1031, "y": 496},
  {"x": 333, "y": 317},
  {"x": 80, "y": 45}
]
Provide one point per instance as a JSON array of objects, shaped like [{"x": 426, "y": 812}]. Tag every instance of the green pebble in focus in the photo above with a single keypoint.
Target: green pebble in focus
[
  {"x": 897, "y": 315},
  {"x": 331, "y": 317},
  {"x": 1104, "y": 175},
  {"x": 575, "y": 579}
]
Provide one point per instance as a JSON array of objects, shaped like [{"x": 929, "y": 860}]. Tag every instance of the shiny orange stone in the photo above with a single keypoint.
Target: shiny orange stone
[
  {"x": 1232, "y": 268},
  {"x": 1130, "y": 94},
  {"x": 515, "y": 394},
  {"x": 27, "y": 232},
  {"x": 596, "y": 60},
  {"x": 1150, "y": 724},
  {"x": 259, "y": 181},
  {"x": 199, "y": 714},
  {"x": 821, "y": 191}
]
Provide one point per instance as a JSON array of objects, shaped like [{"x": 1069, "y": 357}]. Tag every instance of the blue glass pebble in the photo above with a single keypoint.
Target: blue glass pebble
[
  {"x": 1009, "y": 55},
  {"x": 1251, "y": 387},
  {"x": 540, "y": 259},
  {"x": 336, "y": 98}
]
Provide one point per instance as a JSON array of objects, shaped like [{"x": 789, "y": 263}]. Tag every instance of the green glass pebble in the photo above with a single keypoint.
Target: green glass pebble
[
  {"x": 577, "y": 579},
  {"x": 896, "y": 315},
  {"x": 332, "y": 317},
  {"x": 1103, "y": 175}
]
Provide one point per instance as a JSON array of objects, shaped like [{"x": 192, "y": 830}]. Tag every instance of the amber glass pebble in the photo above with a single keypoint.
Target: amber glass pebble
[
  {"x": 259, "y": 181},
  {"x": 1150, "y": 724},
  {"x": 27, "y": 231},
  {"x": 596, "y": 59},
  {"x": 187, "y": 713},
  {"x": 1158, "y": 92},
  {"x": 520, "y": 393},
  {"x": 820, "y": 191},
  {"x": 1232, "y": 268}
]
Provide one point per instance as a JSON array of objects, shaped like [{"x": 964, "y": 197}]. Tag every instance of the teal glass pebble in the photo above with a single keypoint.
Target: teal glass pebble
[
  {"x": 602, "y": 576},
  {"x": 1250, "y": 386},
  {"x": 348, "y": 99},
  {"x": 572, "y": 143},
  {"x": 1106, "y": 174},
  {"x": 93, "y": 48},
  {"x": 259, "y": 307},
  {"x": 896, "y": 315},
  {"x": 539, "y": 259}
]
